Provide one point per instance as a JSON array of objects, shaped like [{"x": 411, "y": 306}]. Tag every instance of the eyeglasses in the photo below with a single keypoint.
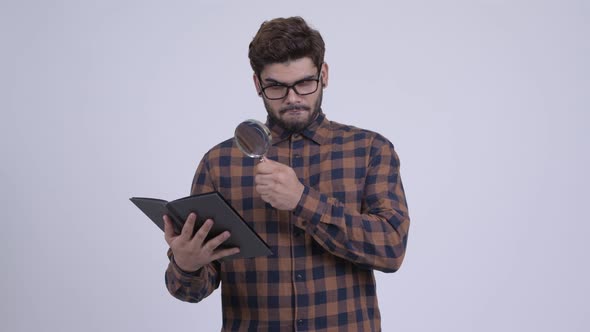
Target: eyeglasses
[{"x": 302, "y": 87}]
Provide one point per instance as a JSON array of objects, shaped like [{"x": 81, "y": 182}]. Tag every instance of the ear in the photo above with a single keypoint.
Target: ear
[
  {"x": 325, "y": 75},
  {"x": 257, "y": 85}
]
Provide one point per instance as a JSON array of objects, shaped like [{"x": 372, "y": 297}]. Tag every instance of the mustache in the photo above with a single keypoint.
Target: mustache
[{"x": 294, "y": 107}]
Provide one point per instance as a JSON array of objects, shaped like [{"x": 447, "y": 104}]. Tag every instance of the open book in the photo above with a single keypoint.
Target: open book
[{"x": 207, "y": 206}]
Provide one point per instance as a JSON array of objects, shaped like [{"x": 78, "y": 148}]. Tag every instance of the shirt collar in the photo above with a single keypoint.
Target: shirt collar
[{"x": 317, "y": 131}]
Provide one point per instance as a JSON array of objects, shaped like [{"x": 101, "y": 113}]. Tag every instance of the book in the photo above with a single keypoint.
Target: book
[{"x": 210, "y": 205}]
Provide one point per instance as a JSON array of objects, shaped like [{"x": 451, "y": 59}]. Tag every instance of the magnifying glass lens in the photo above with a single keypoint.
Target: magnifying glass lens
[{"x": 253, "y": 138}]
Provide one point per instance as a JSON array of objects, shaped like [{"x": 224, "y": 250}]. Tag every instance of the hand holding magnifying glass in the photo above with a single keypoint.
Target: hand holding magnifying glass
[
  {"x": 253, "y": 138},
  {"x": 276, "y": 183}
]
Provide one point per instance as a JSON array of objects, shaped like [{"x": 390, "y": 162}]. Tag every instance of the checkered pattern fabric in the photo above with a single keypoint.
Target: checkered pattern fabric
[{"x": 351, "y": 219}]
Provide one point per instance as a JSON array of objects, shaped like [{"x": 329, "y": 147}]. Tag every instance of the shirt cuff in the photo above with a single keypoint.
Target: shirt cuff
[
  {"x": 182, "y": 275},
  {"x": 312, "y": 206}
]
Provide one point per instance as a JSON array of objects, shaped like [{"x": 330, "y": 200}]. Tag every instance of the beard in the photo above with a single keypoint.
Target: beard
[{"x": 295, "y": 125}]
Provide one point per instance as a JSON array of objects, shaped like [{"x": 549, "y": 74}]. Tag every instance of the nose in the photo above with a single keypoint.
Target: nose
[{"x": 292, "y": 96}]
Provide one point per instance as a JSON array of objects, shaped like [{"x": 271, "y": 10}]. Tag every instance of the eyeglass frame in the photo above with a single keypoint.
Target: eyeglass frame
[{"x": 290, "y": 87}]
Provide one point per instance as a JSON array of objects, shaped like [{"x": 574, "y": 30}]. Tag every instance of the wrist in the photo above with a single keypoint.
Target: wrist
[
  {"x": 185, "y": 270},
  {"x": 297, "y": 197}
]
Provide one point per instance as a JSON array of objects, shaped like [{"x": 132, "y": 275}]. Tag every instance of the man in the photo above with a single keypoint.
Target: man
[{"x": 327, "y": 198}]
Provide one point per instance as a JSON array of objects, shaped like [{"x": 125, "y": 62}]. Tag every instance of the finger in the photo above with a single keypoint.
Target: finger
[
  {"x": 203, "y": 231},
  {"x": 264, "y": 190},
  {"x": 259, "y": 189},
  {"x": 169, "y": 233},
  {"x": 258, "y": 179},
  {"x": 225, "y": 252},
  {"x": 266, "y": 167},
  {"x": 215, "y": 242},
  {"x": 266, "y": 198},
  {"x": 261, "y": 179},
  {"x": 189, "y": 226}
]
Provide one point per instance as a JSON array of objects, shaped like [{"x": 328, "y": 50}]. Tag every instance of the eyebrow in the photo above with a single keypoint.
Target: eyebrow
[{"x": 272, "y": 80}]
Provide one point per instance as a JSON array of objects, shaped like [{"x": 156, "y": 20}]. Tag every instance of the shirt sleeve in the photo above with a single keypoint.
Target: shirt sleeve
[
  {"x": 374, "y": 237},
  {"x": 194, "y": 287},
  {"x": 191, "y": 287}
]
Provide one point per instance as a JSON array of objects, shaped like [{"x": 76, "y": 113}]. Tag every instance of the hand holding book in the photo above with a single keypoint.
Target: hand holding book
[
  {"x": 191, "y": 252},
  {"x": 197, "y": 210}
]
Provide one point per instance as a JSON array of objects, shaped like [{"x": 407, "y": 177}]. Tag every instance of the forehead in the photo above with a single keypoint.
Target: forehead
[{"x": 289, "y": 71}]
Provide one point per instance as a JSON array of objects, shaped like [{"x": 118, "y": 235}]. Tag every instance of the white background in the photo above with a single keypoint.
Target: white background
[{"x": 487, "y": 103}]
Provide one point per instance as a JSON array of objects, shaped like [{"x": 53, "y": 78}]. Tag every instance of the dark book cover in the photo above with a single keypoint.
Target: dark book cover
[{"x": 207, "y": 206}]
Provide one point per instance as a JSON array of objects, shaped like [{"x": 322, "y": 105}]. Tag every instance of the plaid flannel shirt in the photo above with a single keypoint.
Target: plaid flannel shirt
[{"x": 351, "y": 219}]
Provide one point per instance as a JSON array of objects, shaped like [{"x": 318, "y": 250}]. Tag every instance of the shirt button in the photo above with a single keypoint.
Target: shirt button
[
  {"x": 297, "y": 155},
  {"x": 299, "y": 277},
  {"x": 299, "y": 322},
  {"x": 296, "y": 136}
]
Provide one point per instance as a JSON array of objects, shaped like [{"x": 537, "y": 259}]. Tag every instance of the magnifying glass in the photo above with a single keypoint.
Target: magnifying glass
[{"x": 253, "y": 138}]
